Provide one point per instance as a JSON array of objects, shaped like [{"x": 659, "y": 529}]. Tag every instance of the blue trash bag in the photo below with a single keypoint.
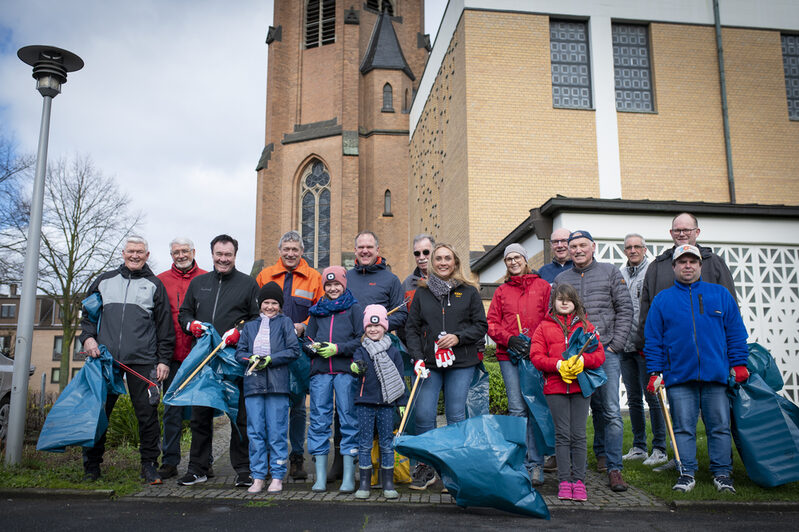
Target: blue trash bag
[
  {"x": 78, "y": 416},
  {"x": 406, "y": 357},
  {"x": 760, "y": 362},
  {"x": 531, "y": 383},
  {"x": 481, "y": 463},
  {"x": 477, "y": 398},
  {"x": 299, "y": 377},
  {"x": 765, "y": 428},
  {"x": 215, "y": 386}
]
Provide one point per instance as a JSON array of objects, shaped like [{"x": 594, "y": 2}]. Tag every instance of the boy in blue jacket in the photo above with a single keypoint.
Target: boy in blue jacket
[{"x": 696, "y": 339}]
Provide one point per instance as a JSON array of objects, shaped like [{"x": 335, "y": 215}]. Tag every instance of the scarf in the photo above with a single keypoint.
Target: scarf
[
  {"x": 391, "y": 384},
  {"x": 326, "y": 306},
  {"x": 262, "y": 346},
  {"x": 439, "y": 287}
]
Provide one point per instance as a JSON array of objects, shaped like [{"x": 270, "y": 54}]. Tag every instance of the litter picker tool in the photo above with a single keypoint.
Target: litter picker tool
[
  {"x": 203, "y": 363},
  {"x": 661, "y": 393},
  {"x": 408, "y": 406},
  {"x": 153, "y": 391}
]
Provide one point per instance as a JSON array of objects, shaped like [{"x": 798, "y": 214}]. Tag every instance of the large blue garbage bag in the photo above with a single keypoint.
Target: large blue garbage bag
[
  {"x": 215, "y": 386},
  {"x": 78, "y": 416},
  {"x": 760, "y": 362},
  {"x": 765, "y": 428},
  {"x": 477, "y": 398},
  {"x": 481, "y": 463},
  {"x": 299, "y": 376},
  {"x": 532, "y": 384}
]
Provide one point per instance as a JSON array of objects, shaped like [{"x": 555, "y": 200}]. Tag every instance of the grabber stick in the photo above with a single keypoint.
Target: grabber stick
[
  {"x": 203, "y": 363},
  {"x": 408, "y": 406},
  {"x": 519, "y": 323},
  {"x": 667, "y": 417}
]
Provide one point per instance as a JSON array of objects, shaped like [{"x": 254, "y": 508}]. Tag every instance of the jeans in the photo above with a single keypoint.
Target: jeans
[
  {"x": 608, "y": 425},
  {"x": 686, "y": 400},
  {"x": 517, "y": 407},
  {"x": 635, "y": 378},
  {"x": 321, "y": 388},
  {"x": 267, "y": 424},
  {"x": 297, "y": 426},
  {"x": 368, "y": 417},
  {"x": 456, "y": 384},
  {"x": 173, "y": 423},
  {"x": 569, "y": 414},
  {"x": 146, "y": 416}
]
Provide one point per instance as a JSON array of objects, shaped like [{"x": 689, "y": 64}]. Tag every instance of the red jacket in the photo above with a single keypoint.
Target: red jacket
[
  {"x": 176, "y": 283},
  {"x": 526, "y": 295},
  {"x": 549, "y": 343}
]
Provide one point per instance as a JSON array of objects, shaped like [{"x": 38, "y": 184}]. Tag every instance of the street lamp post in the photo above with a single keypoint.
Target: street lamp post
[{"x": 50, "y": 67}]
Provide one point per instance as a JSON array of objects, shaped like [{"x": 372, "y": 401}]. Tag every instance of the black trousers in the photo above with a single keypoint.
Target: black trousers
[
  {"x": 146, "y": 415},
  {"x": 202, "y": 434}
]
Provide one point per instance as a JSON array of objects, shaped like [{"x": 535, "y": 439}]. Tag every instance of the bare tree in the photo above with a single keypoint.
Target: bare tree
[
  {"x": 13, "y": 167},
  {"x": 85, "y": 221}
]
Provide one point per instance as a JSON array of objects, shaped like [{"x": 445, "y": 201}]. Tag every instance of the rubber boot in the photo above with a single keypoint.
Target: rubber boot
[
  {"x": 348, "y": 480},
  {"x": 366, "y": 480},
  {"x": 321, "y": 474},
  {"x": 337, "y": 467},
  {"x": 388, "y": 483}
]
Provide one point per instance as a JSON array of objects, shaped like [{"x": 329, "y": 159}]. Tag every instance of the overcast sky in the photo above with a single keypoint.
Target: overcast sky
[{"x": 171, "y": 104}]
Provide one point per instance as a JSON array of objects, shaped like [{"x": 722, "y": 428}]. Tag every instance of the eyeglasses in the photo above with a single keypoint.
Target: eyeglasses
[
  {"x": 629, "y": 248},
  {"x": 517, "y": 258},
  {"x": 562, "y": 241},
  {"x": 424, "y": 252},
  {"x": 683, "y": 231}
]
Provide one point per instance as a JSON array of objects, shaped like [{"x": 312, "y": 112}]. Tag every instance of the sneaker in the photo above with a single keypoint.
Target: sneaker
[
  {"x": 190, "y": 479},
  {"x": 685, "y": 484},
  {"x": 602, "y": 464},
  {"x": 297, "y": 467},
  {"x": 671, "y": 464},
  {"x": 565, "y": 491},
  {"x": 423, "y": 476},
  {"x": 636, "y": 453},
  {"x": 615, "y": 481},
  {"x": 437, "y": 485},
  {"x": 150, "y": 475},
  {"x": 210, "y": 473},
  {"x": 91, "y": 474},
  {"x": 243, "y": 480},
  {"x": 550, "y": 464},
  {"x": 579, "y": 492},
  {"x": 723, "y": 484},
  {"x": 167, "y": 471},
  {"x": 657, "y": 457},
  {"x": 537, "y": 475}
]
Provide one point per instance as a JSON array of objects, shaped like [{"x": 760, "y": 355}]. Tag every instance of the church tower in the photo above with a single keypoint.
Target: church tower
[{"x": 340, "y": 82}]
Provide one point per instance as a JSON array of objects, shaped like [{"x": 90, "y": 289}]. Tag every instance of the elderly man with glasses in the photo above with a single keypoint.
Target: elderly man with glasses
[{"x": 422, "y": 247}]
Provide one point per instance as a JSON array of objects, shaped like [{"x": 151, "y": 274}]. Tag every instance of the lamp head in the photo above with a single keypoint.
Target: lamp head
[{"x": 50, "y": 66}]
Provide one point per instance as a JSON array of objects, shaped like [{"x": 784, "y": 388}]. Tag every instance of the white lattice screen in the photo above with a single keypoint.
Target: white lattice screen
[{"x": 767, "y": 283}]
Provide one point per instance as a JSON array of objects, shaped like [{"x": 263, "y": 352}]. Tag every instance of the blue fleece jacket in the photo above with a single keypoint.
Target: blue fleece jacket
[
  {"x": 375, "y": 284},
  {"x": 694, "y": 332}
]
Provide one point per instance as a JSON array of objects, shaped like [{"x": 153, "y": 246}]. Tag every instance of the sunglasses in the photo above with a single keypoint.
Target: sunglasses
[{"x": 424, "y": 252}]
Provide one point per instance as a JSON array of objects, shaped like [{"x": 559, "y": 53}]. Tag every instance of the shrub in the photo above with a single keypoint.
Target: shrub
[{"x": 498, "y": 399}]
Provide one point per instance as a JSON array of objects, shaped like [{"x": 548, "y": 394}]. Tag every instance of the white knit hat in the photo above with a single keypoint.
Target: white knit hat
[{"x": 516, "y": 248}]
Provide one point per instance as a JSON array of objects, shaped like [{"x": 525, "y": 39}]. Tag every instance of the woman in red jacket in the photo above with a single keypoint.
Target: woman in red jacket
[
  {"x": 565, "y": 399},
  {"x": 521, "y": 302}
]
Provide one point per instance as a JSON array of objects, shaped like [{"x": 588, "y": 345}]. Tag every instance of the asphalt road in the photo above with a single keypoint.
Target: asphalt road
[{"x": 151, "y": 515}]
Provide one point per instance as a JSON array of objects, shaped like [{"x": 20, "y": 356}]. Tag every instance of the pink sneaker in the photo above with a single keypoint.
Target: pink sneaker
[
  {"x": 578, "y": 491},
  {"x": 565, "y": 491}
]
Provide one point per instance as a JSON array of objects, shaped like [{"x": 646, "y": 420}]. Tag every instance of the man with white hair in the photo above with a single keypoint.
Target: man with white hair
[
  {"x": 136, "y": 328},
  {"x": 176, "y": 281}
]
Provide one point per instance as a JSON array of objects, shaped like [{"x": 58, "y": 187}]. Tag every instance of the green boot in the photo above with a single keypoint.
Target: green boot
[
  {"x": 366, "y": 481},
  {"x": 348, "y": 478},
  {"x": 388, "y": 483},
  {"x": 321, "y": 474}
]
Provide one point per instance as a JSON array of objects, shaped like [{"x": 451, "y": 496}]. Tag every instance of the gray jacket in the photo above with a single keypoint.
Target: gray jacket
[
  {"x": 607, "y": 302},
  {"x": 634, "y": 276}
]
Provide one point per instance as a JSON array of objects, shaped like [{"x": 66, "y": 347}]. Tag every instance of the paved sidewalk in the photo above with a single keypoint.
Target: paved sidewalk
[{"x": 221, "y": 487}]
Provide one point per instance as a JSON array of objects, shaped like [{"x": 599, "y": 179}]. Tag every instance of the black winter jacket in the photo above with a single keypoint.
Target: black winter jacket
[
  {"x": 369, "y": 391},
  {"x": 660, "y": 275},
  {"x": 222, "y": 300},
  {"x": 460, "y": 313},
  {"x": 344, "y": 329},
  {"x": 136, "y": 320}
]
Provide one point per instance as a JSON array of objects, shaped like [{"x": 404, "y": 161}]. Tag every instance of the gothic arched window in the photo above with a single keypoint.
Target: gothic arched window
[
  {"x": 388, "y": 98},
  {"x": 320, "y": 23},
  {"x": 315, "y": 214},
  {"x": 381, "y": 5}
]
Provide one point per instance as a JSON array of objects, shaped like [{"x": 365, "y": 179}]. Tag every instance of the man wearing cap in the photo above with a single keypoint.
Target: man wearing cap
[
  {"x": 659, "y": 275},
  {"x": 561, "y": 260},
  {"x": 695, "y": 341},
  {"x": 302, "y": 288},
  {"x": 609, "y": 307}
]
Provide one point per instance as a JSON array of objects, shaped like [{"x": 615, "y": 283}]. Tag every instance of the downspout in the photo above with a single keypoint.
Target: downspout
[{"x": 724, "y": 113}]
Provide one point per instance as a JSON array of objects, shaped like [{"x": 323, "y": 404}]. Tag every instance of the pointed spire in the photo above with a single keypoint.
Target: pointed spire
[{"x": 384, "y": 51}]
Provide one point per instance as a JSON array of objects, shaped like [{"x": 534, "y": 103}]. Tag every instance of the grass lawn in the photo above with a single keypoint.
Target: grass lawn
[{"x": 659, "y": 484}]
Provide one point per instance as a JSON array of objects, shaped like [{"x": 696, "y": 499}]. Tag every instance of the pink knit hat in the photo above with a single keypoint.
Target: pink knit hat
[
  {"x": 375, "y": 314},
  {"x": 334, "y": 273}
]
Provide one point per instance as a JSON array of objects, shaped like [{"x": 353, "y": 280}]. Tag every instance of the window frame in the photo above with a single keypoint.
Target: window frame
[
  {"x": 311, "y": 252},
  {"x": 793, "y": 110},
  {"x": 587, "y": 63},
  {"x": 647, "y": 68},
  {"x": 319, "y": 28}
]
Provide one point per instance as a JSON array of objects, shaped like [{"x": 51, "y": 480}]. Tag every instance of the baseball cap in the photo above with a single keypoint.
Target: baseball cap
[{"x": 686, "y": 249}]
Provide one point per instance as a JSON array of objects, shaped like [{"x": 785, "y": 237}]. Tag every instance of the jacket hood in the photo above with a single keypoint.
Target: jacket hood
[
  {"x": 187, "y": 274},
  {"x": 379, "y": 264},
  {"x": 523, "y": 280},
  {"x": 225, "y": 276},
  {"x": 136, "y": 274}
]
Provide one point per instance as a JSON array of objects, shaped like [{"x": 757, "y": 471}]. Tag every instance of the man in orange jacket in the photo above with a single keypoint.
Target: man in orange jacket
[{"x": 302, "y": 287}]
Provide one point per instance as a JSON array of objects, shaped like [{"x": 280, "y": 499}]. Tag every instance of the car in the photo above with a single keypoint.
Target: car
[{"x": 6, "y": 374}]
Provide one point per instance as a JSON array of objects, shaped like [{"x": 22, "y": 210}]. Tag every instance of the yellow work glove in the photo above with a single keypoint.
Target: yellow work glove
[
  {"x": 576, "y": 365},
  {"x": 565, "y": 373}
]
